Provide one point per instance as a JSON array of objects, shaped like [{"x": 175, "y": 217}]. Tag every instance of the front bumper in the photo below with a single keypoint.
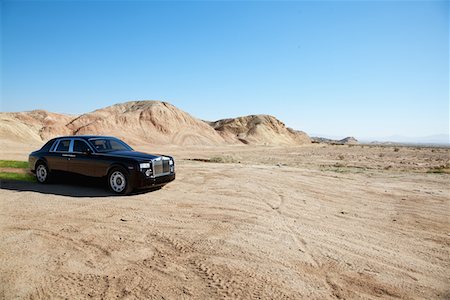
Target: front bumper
[{"x": 142, "y": 182}]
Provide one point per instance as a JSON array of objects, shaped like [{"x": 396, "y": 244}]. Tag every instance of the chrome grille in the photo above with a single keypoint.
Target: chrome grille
[
  {"x": 166, "y": 167},
  {"x": 161, "y": 166}
]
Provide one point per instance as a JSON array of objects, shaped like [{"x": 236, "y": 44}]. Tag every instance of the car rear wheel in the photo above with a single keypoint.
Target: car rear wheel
[
  {"x": 118, "y": 181},
  {"x": 42, "y": 173}
]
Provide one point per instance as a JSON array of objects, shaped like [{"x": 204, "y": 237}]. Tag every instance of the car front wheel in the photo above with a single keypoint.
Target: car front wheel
[
  {"x": 118, "y": 181},
  {"x": 42, "y": 173}
]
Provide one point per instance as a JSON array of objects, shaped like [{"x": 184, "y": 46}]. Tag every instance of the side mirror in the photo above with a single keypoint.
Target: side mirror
[{"x": 88, "y": 151}]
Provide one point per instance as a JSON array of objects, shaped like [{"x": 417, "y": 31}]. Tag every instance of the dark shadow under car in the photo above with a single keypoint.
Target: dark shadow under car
[{"x": 67, "y": 186}]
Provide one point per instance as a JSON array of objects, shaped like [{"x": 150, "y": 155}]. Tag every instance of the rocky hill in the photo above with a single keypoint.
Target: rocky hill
[
  {"x": 258, "y": 129},
  {"x": 153, "y": 122}
]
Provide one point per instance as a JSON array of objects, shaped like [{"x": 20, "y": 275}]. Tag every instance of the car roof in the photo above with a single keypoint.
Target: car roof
[{"x": 85, "y": 137}]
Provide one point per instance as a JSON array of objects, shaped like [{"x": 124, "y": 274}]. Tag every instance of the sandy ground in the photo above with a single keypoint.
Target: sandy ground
[{"x": 303, "y": 222}]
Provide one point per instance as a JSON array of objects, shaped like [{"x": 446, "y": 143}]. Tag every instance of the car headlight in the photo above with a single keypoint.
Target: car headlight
[
  {"x": 172, "y": 166},
  {"x": 144, "y": 165},
  {"x": 148, "y": 173}
]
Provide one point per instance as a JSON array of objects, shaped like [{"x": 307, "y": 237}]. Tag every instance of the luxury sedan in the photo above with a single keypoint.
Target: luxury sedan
[{"x": 102, "y": 157}]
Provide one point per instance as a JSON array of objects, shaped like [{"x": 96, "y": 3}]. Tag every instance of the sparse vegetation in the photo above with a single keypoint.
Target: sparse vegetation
[
  {"x": 17, "y": 176},
  {"x": 13, "y": 164},
  {"x": 343, "y": 169},
  {"x": 443, "y": 169},
  {"x": 396, "y": 149},
  {"x": 223, "y": 159},
  {"x": 217, "y": 159}
]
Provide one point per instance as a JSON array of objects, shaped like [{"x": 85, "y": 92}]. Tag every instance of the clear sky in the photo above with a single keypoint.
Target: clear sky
[{"x": 338, "y": 68}]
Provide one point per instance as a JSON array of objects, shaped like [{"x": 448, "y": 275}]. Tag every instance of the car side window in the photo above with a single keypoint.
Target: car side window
[
  {"x": 113, "y": 145},
  {"x": 63, "y": 146},
  {"x": 100, "y": 145},
  {"x": 80, "y": 146}
]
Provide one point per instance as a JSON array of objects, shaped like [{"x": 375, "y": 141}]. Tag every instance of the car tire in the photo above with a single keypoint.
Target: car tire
[
  {"x": 118, "y": 181},
  {"x": 42, "y": 172}
]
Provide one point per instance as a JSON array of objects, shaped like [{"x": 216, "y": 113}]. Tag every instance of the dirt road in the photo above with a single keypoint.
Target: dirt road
[{"x": 231, "y": 230}]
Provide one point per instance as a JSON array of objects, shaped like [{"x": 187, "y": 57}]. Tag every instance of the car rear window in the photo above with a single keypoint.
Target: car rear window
[
  {"x": 63, "y": 145},
  {"x": 47, "y": 146}
]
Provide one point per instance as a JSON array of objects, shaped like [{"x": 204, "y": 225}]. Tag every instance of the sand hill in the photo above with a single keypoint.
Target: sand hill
[
  {"x": 153, "y": 122},
  {"x": 258, "y": 129},
  {"x": 32, "y": 126}
]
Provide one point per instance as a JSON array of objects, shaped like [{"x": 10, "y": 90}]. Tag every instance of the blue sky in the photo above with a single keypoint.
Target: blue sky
[{"x": 338, "y": 68}]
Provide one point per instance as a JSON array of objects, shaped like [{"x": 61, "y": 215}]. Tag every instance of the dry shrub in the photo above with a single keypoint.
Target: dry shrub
[{"x": 223, "y": 159}]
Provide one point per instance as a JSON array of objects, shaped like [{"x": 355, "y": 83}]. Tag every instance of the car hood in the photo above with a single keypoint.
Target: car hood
[{"x": 132, "y": 154}]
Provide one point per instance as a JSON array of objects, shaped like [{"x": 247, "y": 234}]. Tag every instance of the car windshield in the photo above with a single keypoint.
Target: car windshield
[{"x": 109, "y": 145}]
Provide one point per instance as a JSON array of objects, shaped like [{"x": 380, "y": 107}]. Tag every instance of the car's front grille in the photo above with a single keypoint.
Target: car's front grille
[
  {"x": 166, "y": 167},
  {"x": 161, "y": 166}
]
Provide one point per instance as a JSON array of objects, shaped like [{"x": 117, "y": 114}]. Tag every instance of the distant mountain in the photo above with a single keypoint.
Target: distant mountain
[
  {"x": 345, "y": 141},
  {"x": 439, "y": 139}
]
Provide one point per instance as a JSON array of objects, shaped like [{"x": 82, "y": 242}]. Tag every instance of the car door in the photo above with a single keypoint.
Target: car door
[
  {"x": 102, "y": 160},
  {"x": 82, "y": 160},
  {"x": 58, "y": 157}
]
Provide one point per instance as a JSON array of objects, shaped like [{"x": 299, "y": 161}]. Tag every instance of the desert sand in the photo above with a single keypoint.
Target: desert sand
[{"x": 300, "y": 222}]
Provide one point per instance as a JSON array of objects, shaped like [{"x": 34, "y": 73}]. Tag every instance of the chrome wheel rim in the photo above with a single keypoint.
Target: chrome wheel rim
[
  {"x": 117, "y": 181},
  {"x": 41, "y": 173}
]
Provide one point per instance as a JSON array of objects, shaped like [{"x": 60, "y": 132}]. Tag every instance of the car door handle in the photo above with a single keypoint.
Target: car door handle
[{"x": 69, "y": 155}]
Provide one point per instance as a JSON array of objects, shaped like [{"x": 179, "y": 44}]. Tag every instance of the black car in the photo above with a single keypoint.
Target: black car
[{"x": 102, "y": 157}]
